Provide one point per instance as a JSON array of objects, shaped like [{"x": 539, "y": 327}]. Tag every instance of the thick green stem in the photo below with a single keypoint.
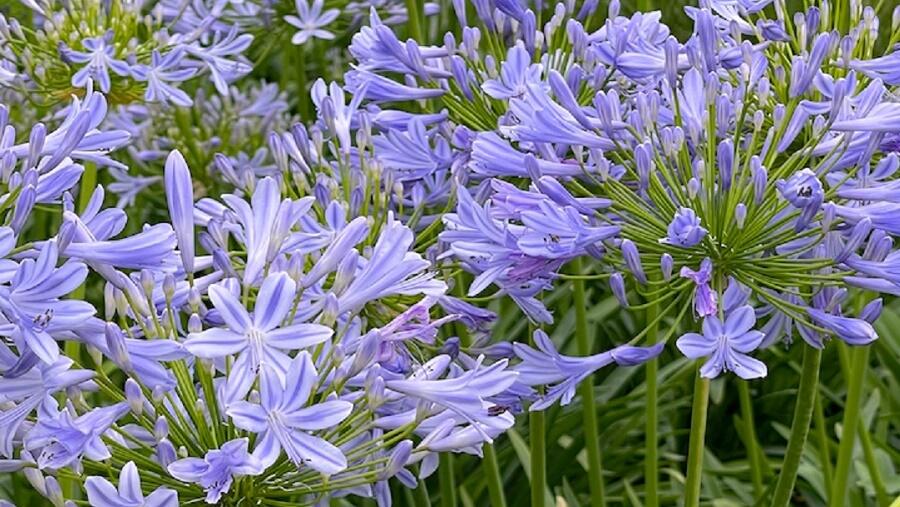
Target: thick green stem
[
  {"x": 696, "y": 442},
  {"x": 536, "y": 438},
  {"x": 414, "y": 22},
  {"x": 803, "y": 411},
  {"x": 651, "y": 423},
  {"x": 856, "y": 375},
  {"x": 588, "y": 403},
  {"x": 494, "y": 481},
  {"x": 881, "y": 495},
  {"x": 447, "y": 481},
  {"x": 823, "y": 441},
  {"x": 753, "y": 453}
]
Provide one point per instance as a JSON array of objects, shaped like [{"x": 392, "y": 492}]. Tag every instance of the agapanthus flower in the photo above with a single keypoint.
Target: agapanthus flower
[
  {"x": 102, "y": 493},
  {"x": 726, "y": 344},
  {"x": 217, "y": 470},
  {"x": 257, "y": 340},
  {"x": 311, "y": 21},
  {"x": 284, "y": 414}
]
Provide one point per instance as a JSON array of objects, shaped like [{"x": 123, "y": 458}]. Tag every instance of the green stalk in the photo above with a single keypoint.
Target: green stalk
[
  {"x": 803, "y": 410},
  {"x": 414, "y": 20},
  {"x": 447, "y": 480},
  {"x": 881, "y": 496},
  {"x": 536, "y": 439},
  {"x": 651, "y": 424},
  {"x": 494, "y": 481},
  {"x": 822, "y": 437},
  {"x": 858, "y": 362},
  {"x": 421, "y": 495},
  {"x": 753, "y": 452},
  {"x": 588, "y": 403},
  {"x": 696, "y": 442}
]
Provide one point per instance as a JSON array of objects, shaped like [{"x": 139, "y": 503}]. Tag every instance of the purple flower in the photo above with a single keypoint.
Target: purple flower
[
  {"x": 311, "y": 21},
  {"x": 162, "y": 71},
  {"x": 63, "y": 438},
  {"x": 685, "y": 229},
  {"x": 726, "y": 345},
  {"x": 99, "y": 55},
  {"x": 283, "y": 419},
  {"x": 515, "y": 73},
  {"x": 33, "y": 304},
  {"x": 216, "y": 471},
  {"x": 705, "y": 299},
  {"x": 463, "y": 395},
  {"x": 258, "y": 339},
  {"x": 223, "y": 57},
  {"x": 101, "y": 492},
  {"x": 27, "y": 389},
  {"x": 547, "y": 366},
  {"x": 391, "y": 269},
  {"x": 803, "y": 190},
  {"x": 853, "y": 331}
]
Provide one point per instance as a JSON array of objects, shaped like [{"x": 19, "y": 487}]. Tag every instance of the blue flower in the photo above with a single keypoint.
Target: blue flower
[
  {"x": 217, "y": 470},
  {"x": 685, "y": 229},
  {"x": 99, "y": 55},
  {"x": 258, "y": 339},
  {"x": 33, "y": 302},
  {"x": 284, "y": 419},
  {"x": 547, "y": 366},
  {"x": 515, "y": 73},
  {"x": 64, "y": 438},
  {"x": 310, "y": 21},
  {"x": 726, "y": 345},
  {"x": 162, "y": 71},
  {"x": 101, "y": 492},
  {"x": 705, "y": 299}
]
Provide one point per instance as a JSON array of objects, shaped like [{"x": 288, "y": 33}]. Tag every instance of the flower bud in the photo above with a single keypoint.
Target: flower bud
[
  {"x": 617, "y": 284},
  {"x": 134, "y": 396}
]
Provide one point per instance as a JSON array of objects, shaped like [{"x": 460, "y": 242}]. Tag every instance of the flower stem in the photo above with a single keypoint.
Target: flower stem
[
  {"x": 414, "y": 20},
  {"x": 696, "y": 442},
  {"x": 651, "y": 438},
  {"x": 753, "y": 453},
  {"x": 803, "y": 410},
  {"x": 494, "y": 481},
  {"x": 85, "y": 191},
  {"x": 855, "y": 376},
  {"x": 536, "y": 438},
  {"x": 447, "y": 481},
  {"x": 588, "y": 403}
]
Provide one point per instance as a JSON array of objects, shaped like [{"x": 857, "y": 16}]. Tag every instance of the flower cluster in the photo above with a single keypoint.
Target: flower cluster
[
  {"x": 125, "y": 53},
  {"x": 284, "y": 311},
  {"x": 744, "y": 173}
]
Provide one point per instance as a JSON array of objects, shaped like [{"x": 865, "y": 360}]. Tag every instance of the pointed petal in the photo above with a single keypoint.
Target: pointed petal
[
  {"x": 319, "y": 416},
  {"x": 275, "y": 299}
]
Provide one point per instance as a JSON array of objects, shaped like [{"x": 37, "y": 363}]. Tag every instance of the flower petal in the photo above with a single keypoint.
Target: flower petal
[
  {"x": 319, "y": 416},
  {"x": 274, "y": 301},
  {"x": 232, "y": 311},
  {"x": 694, "y": 345}
]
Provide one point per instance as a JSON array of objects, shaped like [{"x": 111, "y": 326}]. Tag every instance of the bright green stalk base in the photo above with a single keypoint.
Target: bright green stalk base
[
  {"x": 696, "y": 443},
  {"x": 803, "y": 411}
]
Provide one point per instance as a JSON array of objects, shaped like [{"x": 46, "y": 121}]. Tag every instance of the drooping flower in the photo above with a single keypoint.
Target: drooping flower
[{"x": 546, "y": 366}]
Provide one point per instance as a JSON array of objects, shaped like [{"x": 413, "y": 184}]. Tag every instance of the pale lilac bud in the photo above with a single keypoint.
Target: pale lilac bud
[
  {"x": 617, "y": 284},
  {"x": 134, "y": 396},
  {"x": 632, "y": 259},
  {"x": 666, "y": 265},
  {"x": 740, "y": 215}
]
